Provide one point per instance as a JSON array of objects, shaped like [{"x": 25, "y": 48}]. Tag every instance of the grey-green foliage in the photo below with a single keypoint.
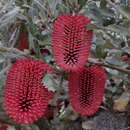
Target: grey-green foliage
[{"x": 110, "y": 23}]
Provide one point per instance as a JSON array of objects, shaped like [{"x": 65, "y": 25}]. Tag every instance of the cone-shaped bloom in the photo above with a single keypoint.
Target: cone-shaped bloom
[
  {"x": 86, "y": 89},
  {"x": 23, "y": 39},
  {"x": 25, "y": 97},
  {"x": 71, "y": 41}
]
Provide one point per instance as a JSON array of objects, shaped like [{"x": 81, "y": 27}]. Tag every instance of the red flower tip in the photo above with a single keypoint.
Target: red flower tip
[
  {"x": 71, "y": 41},
  {"x": 25, "y": 97},
  {"x": 125, "y": 58},
  {"x": 86, "y": 89},
  {"x": 23, "y": 42}
]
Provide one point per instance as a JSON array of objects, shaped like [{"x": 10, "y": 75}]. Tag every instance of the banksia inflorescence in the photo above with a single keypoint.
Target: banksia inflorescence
[
  {"x": 86, "y": 89},
  {"x": 25, "y": 96},
  {"x": 23, "y": 38},
  {"x": 71, "y": 41}
]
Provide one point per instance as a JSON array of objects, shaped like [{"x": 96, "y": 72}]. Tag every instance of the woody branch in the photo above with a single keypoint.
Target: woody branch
[{"x": 90, "y": 60}]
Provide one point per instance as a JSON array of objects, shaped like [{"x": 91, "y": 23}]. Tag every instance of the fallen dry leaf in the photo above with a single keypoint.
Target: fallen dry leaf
[
  {"x": 121, "y": 103},
  {"x": 88, "y": 125}
]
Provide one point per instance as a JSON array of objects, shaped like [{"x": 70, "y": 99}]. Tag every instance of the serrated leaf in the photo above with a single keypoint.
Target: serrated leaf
[
  {"x": 113, "y": 28},
  {"x": 47, "y": 58},
  {"x": 53, "y": 4},
  {"x": 45, "y": 32},
  {"x": 99, "y": 41},
  {"x": 100, "y": 51},
  {"x": 114, "y": 51},
  {"x": 49, "y": 82},
  {"x": 112, "y": 89},
  {"x": 2, "y": 76},
  {"x": 125, "y": 10},
  {"x": 119, "y": 29},
  {"x": 126, "y": 50},
  {"x": 128, "y": 2},
  {"x": 114, "y": 61},
  {"x": 112, "y": 72},
  {"x": 10, "y": 15},
  {"x": 103, "y": 3}
]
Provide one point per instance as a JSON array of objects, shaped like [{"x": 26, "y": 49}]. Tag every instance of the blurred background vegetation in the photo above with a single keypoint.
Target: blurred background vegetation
[{"x": 110, "y": 48}]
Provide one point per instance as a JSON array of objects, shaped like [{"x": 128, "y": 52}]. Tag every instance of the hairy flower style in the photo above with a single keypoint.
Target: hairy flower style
[
  {"x": 86, "y": 89},
  {"x": 25, "y": 96},
  {"x": 71, "y": 41}
]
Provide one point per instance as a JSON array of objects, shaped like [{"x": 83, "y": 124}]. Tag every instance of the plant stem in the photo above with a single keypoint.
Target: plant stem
[
  {"x": 90, "y": 60},
  {"x": 102, "y": 63}
]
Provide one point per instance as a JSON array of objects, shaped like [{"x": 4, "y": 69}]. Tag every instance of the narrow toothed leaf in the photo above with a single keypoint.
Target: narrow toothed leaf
[
  {"x": 71, "y": 41},
  {"x": 49, "y": 82},
  {"x": 86, "y": 89}
]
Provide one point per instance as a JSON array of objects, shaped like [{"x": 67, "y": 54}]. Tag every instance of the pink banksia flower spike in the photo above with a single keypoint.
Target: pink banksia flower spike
[
  {"x": 86, "y": 89},
  {"x": 25, "y": 96},
  {"x": 71, "y": 41},
  {"x": 23, "y": 38}
]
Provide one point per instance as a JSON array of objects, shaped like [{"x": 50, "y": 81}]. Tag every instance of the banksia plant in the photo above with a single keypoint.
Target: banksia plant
[
  {"x": 86, "y": 89},
  {"x": 71, "y": 41},
  {"x": 23, "y": 38},
  {"x": 25, "y": 96}
]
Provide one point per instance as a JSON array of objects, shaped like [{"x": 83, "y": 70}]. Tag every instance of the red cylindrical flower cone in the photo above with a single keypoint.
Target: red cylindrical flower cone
[
  {"x": 25, "y": 97},
  {"x": 23, "y": 38},
  {"x": 71, "y": 41},
  {"x": 86, "y": 89}
]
